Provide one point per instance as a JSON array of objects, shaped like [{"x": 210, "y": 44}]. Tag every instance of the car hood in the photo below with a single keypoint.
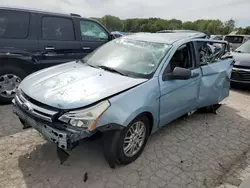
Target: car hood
[
  {"x": 242, "y": 59},
  {"x": 74, "y": 85}
]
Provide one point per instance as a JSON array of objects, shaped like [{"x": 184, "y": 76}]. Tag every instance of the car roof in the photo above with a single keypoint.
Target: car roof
[
  {"x": 167, "y": 38},
  {"x": 216, "y": 35},
  {"x": 178, "y": 31},
  {"x": 39, "y": 11},
  {"x": 117, "y": 32},
  {"x": 237, "y": 35}
]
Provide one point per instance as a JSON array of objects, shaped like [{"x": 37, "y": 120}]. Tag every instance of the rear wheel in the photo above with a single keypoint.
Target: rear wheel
[{"x": 10, "y": 78}]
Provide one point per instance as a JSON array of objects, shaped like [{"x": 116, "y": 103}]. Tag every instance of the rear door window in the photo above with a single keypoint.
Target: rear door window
[
  {"x": 234, "y": 39},
  {"x": 56, "y": 28},
  {"x": 14, "y": 24}
]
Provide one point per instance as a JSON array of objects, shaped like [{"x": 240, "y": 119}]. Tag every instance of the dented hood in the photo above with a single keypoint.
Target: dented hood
[{"x": 74, "y": 85}]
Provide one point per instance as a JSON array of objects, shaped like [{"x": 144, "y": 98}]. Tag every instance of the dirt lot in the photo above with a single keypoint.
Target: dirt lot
[{"x": 204, "y": 150}]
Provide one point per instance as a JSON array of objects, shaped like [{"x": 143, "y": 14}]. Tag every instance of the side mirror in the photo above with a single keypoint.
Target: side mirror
[
  {"x": 112, "y": 37},
  {"x": 178, "y": 74}
]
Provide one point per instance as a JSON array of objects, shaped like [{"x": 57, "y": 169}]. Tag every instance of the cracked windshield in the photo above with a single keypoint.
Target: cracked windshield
[
  {"x": 138, "y": 58},
  {"x": 124, "y": 94}
]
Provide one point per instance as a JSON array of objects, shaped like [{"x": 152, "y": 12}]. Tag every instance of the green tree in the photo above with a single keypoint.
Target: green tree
[
  {"x": 175, "y": 24},
  {"x": 155, "y": 24},
  {"x": 111, "y": 22},
  {"x": 214, "y": 27},
  {"x": 230, "y": 23},
  {"x": 244, "y": 31},
  {"x": 189, "y": 25}
]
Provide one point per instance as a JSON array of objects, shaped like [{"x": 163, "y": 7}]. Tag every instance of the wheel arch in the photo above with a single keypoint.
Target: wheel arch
[
  {"x": 22, "y": 64},
  {"x": 148, "y": 114},
  {"x": 150, "y": 118}
]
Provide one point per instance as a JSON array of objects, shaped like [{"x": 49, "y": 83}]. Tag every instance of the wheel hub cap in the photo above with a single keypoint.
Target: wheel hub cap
[
  {"x": 8, "y": 85},
  {"x": 134, "y": 139}
]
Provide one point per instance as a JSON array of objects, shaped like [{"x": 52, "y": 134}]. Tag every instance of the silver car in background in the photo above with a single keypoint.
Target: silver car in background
[
  {"x": 236, "y": 40},
  {"x": 241, "y": 70}
]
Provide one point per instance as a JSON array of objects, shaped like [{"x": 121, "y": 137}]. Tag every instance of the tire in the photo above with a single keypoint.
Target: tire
[
  {"x": 111, "y": 139},
  {"x": 22, "y": 121},
  {"x": 10, "y": 71},
  {"x": 123, "y": 158}
]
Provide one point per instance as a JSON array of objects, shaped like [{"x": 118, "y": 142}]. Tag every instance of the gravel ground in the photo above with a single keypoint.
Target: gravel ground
[{"x": 203, "y": 150}]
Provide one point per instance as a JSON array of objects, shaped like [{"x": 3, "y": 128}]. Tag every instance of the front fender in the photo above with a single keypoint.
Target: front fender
[
  {"x": 141, "y": 111},
  {"x": 128, "y": 105}
]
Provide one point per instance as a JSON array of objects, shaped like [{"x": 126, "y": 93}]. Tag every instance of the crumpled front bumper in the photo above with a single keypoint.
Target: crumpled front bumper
[{"x": 64, "y": 137}]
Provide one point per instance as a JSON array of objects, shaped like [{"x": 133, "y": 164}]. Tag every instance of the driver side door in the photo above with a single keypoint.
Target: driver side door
[
  {"x": 216, "y": 67},
  {"x": 179, "y": 96}
]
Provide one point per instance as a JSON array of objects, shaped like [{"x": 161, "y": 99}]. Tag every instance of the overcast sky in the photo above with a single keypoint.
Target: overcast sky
[{"x": 179, "y": 9}]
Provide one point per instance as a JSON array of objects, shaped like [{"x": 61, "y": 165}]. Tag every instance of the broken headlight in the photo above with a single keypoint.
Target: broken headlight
[{"x": 85, "y": 118}]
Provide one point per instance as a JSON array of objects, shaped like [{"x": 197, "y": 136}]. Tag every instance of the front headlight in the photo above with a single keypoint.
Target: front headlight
[{"x": 85, "y": 118}]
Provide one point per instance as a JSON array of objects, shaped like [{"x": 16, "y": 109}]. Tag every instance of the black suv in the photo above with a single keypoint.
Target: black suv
[{"x": 31, "y": 40}]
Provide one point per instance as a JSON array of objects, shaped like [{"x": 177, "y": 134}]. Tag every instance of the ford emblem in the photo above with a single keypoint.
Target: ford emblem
[{"x": 26, "y": 106}]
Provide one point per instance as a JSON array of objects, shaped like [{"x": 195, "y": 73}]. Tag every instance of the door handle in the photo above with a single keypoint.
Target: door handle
[
  {"x": 49, "y": 48},
  {"x": 195, "y": 75},
  {"x": 86, "y": 48}
]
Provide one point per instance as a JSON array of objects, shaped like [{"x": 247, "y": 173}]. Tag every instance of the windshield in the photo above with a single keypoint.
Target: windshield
[
  {"x": 130, "y": 57},
  {"x": 244, "y": 48},
  {"x": 234, "y": 39}
]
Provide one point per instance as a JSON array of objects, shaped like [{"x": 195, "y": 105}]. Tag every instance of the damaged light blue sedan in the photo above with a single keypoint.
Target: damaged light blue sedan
[{"x": 126, "y": 89}]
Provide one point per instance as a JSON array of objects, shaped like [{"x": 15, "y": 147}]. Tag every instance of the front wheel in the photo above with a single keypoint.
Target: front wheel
[{"x": 132, "y": 140}]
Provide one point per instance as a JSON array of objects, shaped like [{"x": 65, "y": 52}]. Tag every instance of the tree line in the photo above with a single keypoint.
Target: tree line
[{"x": 211, "y": 27}]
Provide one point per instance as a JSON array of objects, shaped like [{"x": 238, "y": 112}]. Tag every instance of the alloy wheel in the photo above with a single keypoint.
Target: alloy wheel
[
  {"x": 134, "y": 139},
  {"x": 8, "y": 85}
]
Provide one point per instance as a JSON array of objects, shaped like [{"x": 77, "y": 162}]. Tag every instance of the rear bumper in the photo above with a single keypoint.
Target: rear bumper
[{"x": 65, "y": 138}]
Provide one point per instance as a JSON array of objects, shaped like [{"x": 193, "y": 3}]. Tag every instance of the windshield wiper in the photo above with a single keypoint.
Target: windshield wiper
[
  {"x": 103, "y": 67},
  {"x": 238, "y": 51},
  {"x": 83, "y": 61},
  {"x": 91, "y": 65},
  {"x": 80, "y": 60},
  {"x": 111, "y": 69}
]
